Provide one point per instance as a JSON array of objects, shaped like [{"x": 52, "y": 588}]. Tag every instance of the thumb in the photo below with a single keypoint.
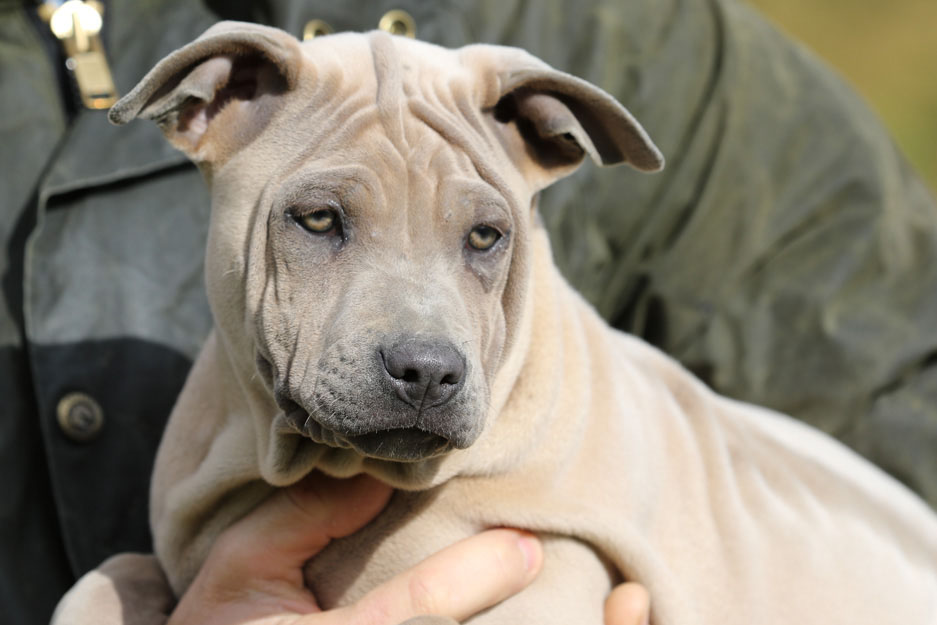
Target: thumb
[{"x": 628, "y": 604}]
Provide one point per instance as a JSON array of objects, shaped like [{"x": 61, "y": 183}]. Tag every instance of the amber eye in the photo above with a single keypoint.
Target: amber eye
[
  {"x": 483, "y": 237},
  {"x": 321, "y": 221}
]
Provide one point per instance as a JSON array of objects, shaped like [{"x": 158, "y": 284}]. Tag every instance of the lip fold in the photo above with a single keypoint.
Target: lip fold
[
  {"x": 402, "y": 444},
  {"x": 406, "y": 444}
]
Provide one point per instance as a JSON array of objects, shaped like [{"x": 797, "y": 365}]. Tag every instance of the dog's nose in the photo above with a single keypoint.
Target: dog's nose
[{"x": 424, "y": 373}]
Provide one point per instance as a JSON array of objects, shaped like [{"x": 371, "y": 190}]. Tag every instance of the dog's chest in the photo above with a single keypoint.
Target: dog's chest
[{"x": 416, "y": 525}]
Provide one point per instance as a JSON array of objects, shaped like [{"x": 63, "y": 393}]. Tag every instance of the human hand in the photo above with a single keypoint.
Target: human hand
[
  {"x": 628, "y": 604},
  {"x": 254, "y": 573}
]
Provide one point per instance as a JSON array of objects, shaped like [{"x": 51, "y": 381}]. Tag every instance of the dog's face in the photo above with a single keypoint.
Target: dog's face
[
  {"x": 367, "y": 261},
  {"x": 376, "y": 295}
]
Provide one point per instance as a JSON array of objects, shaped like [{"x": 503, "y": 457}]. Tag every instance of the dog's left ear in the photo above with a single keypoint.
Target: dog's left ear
[
  {"x": 551, "y": 120},
  {"x": 214, "y": 95}
]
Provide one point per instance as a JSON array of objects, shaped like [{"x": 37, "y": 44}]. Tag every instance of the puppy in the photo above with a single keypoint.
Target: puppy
[{"x": 385, "y": 302}]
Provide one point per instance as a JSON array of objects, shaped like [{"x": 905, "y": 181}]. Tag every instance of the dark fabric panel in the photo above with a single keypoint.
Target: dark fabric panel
[
  {"x": 34, "y": 569},
  {"x": 31, "y": 125},
  {"x": 101, "y": 487}
]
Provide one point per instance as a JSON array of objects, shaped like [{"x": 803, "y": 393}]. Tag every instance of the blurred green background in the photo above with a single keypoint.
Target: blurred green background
[{"x": 887, "y": 50}]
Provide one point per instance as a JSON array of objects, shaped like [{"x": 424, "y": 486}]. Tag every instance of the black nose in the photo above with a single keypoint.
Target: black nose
[{"x": 424, "y": 373}]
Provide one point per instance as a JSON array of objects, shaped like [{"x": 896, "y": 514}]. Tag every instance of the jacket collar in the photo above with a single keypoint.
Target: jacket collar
[{"x": 94, "y": 152}]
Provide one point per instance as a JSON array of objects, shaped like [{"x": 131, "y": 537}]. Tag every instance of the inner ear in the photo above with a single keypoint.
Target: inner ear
[
  {"x": 233, "y": 86},
  {"x": 553, "y": 137},
  {"x": 216, "y": 94}
]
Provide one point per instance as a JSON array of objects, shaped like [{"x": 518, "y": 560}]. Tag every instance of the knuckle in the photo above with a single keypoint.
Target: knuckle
[
  {"x": 305, "y": 499},
  {"x": 226, "y": 549},
  {"x": 427, "y": 595},
  {"x": 375, "y": 609}
]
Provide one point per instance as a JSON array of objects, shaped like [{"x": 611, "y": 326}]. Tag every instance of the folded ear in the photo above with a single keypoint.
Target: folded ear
[
  {"x": 216, "y": 94},
  {"x": 560, "y": 118}
]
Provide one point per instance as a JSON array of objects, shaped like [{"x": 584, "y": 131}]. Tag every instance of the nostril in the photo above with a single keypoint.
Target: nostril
[{"x": 423, "y": 371}]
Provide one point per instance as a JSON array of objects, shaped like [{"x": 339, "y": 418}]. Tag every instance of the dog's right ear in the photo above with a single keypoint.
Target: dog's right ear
[{"x": 213, "y": 96}]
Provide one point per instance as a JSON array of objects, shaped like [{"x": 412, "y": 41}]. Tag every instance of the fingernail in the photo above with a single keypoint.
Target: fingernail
[{"x": 530, "y": 547}]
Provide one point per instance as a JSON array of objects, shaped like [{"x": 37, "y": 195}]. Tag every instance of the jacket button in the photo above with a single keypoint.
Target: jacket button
[
  {"x": 80, "y": 417},
  {"x": 315, "y": 28},
  {"x": 398, "y": 22}
]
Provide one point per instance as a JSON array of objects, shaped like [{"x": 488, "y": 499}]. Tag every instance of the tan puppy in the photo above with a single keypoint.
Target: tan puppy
[{"x": 385, "y": 301}]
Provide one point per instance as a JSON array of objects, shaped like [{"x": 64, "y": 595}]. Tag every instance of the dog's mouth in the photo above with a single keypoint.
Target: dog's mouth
[
  {"x": 406, "y": 444},
  {"x": 397, "y": 444},
  {"x": 401, "y": 444}
]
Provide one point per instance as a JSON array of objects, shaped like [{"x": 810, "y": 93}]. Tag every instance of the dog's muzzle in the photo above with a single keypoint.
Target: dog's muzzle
[{"x": 407, "y": 408}]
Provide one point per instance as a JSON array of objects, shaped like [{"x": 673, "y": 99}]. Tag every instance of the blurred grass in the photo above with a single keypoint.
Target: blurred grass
[{"x": 888, "y": 51}]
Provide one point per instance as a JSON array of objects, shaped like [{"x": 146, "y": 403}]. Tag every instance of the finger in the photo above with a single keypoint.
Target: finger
[
  {"x": 628, "y": 604},
  {"x": 297, "y": 522},
  {"x": 255, "y": 568},
  {"x": 459, "y": 581}
]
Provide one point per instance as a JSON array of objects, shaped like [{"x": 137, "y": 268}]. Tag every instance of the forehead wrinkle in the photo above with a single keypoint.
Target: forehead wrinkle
[
  {"x": 454, "y": 96},
  {"x": 388, "y": 74},
  {"x": 427, "y": 148},
  {"x": 450, "y": 99},
  {"x": 390, "y": 103},
  {"x": 389, "y": 153},
  {"x": 438, "y": 161},
  {"x": 444, "y": 97},
  {"x": 334, "y": 130},
  {"x": 323, "y": 175},
  {"x": 481, "y": 160},
  {"x": 324, "y": 116},
  {"x": 423, "y": 185},
  {"x": 470, "y": 111}
]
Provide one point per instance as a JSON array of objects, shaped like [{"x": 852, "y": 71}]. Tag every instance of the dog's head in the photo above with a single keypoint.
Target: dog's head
[{"x": 372, "y": 205}]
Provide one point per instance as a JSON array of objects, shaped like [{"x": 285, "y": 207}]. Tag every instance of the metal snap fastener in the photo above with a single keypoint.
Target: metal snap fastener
[
  {"x": 80, "y": 416},
  {"x": 398, "y": 22},
  {"x": 315, "y": 28}
]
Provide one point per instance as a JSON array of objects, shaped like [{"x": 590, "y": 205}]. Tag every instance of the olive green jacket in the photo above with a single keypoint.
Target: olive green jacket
[{"x": 786, "y": 254}]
